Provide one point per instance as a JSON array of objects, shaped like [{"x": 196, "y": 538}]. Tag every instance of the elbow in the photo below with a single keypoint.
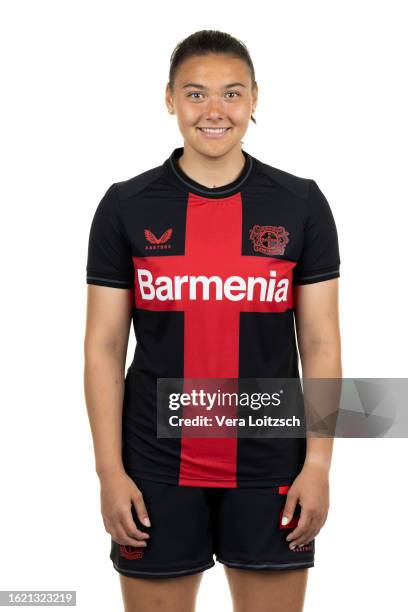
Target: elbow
[
  {"x": 97, "y": 350},
  {"x": 323, "y": 347}
]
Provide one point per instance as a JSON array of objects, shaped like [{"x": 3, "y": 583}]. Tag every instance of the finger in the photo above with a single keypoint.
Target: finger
[
  {"x": 131, "y": 528},
  {"x": 120, "y": 536},
  {"x": 315, "y": 529},
  {"x": 123, "y": 516},
  {"x": 299, "y": 545},
  {"x": 289, "y": 509},
  {"x": 302, "y": 540},
  {"x": 302, "y": 526},
  {"x": 300, "y": 529},
  {"x": 116, "y": 524},
  {"x": 141, "y": 510},
  {"x": 308, "y": 535}
]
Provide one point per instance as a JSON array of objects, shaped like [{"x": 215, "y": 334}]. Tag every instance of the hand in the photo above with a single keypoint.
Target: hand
[
  {"x": 311, "y": 490},
  {"x": 118, "y": 492}
]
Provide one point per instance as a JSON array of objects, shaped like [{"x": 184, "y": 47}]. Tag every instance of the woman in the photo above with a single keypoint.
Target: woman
[{"x": 215, "y": 256}]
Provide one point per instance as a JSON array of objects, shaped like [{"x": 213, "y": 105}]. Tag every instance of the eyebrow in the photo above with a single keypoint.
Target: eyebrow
[{"x": 198, "y": 86}]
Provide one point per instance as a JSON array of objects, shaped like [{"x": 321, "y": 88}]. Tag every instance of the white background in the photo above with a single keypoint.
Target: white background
[{"x": 82, "y": 107}]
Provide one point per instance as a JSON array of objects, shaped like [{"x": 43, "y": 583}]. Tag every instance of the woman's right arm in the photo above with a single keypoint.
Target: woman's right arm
[{"x": 106, "y": 339}]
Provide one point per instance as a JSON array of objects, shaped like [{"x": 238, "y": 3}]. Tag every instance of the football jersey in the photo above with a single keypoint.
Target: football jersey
[{"x": 213, "y": 273}]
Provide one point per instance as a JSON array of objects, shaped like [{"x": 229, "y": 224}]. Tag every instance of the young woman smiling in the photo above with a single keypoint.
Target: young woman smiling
[{"x": 210, "y": 213}]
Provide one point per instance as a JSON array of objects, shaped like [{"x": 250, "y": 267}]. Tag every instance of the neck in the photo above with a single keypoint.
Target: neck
[{"x": 212, "y": 171}]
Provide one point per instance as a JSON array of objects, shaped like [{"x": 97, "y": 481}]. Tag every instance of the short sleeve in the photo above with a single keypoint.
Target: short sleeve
[
  {"x": 320, "y": 258},
  {"x": 109, "y": 260}
]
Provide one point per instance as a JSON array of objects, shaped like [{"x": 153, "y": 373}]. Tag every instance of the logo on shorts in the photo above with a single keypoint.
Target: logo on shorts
[
  {"x": 269, "y": 239},
  {"x": 158, "y": 243},
  {"x": 302, "y": 548},
  {"x": 131, "y": 552}
]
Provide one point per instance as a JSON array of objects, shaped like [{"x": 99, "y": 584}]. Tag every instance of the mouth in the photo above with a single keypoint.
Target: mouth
[{"x": 214, "y": 132}]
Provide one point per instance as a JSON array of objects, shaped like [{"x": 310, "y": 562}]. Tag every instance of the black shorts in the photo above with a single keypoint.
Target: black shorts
[{"x": 189, "y": 525}]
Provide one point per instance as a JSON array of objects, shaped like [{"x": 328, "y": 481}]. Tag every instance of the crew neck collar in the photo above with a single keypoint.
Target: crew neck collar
[{"x": 215, "y": 192}]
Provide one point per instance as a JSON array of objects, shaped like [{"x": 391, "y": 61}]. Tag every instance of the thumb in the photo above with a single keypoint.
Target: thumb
[
  {"x": 289, "y": 509},
  {"x": 141, "y": 511}
]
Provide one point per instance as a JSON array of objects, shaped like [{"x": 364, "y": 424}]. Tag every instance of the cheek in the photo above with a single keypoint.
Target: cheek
[
  {"x": 240, "y": 113},
  {"x": 188, "y": 114}
]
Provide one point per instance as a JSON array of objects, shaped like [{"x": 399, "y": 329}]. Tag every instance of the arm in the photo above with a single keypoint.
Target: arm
[
  {"x": 105, "y": 347},
  {"x": 318, "y": 333},
  {"x": 317, "y": 327}
]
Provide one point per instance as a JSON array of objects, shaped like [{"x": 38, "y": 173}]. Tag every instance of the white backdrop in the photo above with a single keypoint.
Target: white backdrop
[{"x": 82, "y": 107}]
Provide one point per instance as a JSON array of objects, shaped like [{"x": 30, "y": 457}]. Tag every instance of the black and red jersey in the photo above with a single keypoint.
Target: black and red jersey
[{"x": 213, "y": 274}]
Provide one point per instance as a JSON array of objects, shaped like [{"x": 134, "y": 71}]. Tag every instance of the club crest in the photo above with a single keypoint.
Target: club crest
[{"x": 269, "y": 239}]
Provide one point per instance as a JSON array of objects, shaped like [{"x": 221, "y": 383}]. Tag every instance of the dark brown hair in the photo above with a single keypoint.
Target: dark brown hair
[{"x": 209, "y": 41}]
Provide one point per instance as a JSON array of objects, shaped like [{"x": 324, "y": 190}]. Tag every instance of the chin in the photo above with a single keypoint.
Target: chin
[{"x": 213, "y": 148}]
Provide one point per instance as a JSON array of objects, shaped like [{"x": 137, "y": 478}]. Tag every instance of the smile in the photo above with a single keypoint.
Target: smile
[{"x": 214, "y": 132}]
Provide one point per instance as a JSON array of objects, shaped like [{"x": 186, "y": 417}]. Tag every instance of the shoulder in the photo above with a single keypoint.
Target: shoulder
[
  {"x": 135, "y": 185},
  {"x": 296, "y": 185}
]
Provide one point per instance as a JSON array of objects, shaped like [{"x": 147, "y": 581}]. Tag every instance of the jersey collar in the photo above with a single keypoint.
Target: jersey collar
[{"x": 215, "y": 192}]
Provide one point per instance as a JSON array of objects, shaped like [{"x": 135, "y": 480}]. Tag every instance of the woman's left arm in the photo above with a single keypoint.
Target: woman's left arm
[{"x": 318, "y": 336}]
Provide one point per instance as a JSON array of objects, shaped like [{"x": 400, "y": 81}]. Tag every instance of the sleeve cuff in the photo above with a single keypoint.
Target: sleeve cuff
[
  {"x": 316, "y": 277},
  {"x": 103, "y": 281}
]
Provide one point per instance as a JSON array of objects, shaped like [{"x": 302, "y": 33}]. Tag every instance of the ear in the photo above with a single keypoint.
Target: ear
[
  {"x": 168, "y": 99},
  {"x": 254, "y": 95}
]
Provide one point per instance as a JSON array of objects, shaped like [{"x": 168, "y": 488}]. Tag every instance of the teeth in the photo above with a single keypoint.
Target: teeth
[{"x": 214, "y": 130}]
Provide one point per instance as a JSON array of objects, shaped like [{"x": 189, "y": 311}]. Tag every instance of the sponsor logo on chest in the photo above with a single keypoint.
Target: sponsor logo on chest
[{"x": 209, "y": 288}]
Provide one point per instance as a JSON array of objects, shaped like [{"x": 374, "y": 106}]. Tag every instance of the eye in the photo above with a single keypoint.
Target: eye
[
  {"x": 233, "y": 92},
  {"x": 194, "y": 93}
]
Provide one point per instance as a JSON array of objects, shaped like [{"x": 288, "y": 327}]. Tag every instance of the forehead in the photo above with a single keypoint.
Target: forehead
[{"x": 214, "y": 69}]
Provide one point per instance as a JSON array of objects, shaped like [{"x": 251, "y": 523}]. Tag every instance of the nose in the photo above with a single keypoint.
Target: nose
[{"x": 214, "y": 107}]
